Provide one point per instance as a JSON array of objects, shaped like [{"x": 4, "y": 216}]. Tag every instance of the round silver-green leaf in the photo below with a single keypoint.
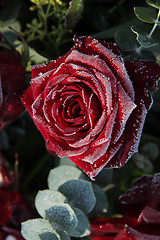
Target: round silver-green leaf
[
  {"x": 32, "y": 229},
  {"x": 61, "y": 174},
  {"x": 79, "y": 194},
  {"x": 83, "y": 226},
  {"x": 46, "y": 199},
  {"x": 62, "y": 217}
]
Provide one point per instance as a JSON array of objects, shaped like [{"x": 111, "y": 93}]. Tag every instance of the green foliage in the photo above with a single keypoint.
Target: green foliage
[
  {"x": 33, "y": 229},
  {"x": 64, "y": 206},
  {"x": 55, "y": 178},
  {"x": 83, "y": 226},
  {"x": 79, "y": 194},
  {"x": 147, "y": 15},
  {"x": 62, "y": 217},
  {"x": 147, "y": 35},
  {"x": 49, "y": 198},
  {"x": 155, "y": 4},
  {"x": 144, "y": 36},
  {"x": 126, "y": 40},
  {"x": 101, "y": 205},
  {"x": 74, "y": 13}
]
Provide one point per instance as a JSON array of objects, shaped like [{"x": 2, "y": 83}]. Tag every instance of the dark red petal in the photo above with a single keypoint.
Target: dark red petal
[
  {"x": 149, "y": 216},
  {"x": 144, "y": 75},
  {"x": 131, "y": 234},
  {"x": 10, "y": 108},
  {"x": 43, "y": 68},
  {"x": 145, "y": 192},
  {"x": 27, "y": 100}
]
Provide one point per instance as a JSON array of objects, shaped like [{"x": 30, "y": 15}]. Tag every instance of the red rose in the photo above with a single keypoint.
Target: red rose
[
  {"x": 12, "y": 83},
  {"x": 86, "y": 105},
  {"x": 14, "y": 210},
  {"x": 141, "y": 205}
]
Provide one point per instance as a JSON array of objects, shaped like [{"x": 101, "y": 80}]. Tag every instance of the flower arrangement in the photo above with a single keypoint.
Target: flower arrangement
[{"x": 79, "y": 119}]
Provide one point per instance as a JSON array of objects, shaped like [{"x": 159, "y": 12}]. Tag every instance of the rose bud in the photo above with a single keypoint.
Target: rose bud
[
  {"x": 12, "y": 83},
  {"x": 90, "y": 106}
]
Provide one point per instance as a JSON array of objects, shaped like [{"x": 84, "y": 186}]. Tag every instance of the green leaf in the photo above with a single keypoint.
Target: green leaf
[
  {"x": 126, "y": 40},
  {"x": 31, "y": 229},
  {"x": 10, "y": 11},
  {"x": 62, "y": 174},
  {"x": 101, "y": 205},
  {"x": 46, "y": 199},
  {"x": 147, "y": 15},
  {"x": 153, "y": 4},
  {"x": 62, "y": 217},
  {"x": 73, "y": 13},
  {"x": 83, "y": 226},
  {"x": 9, "y": 34},
  {"x": 48, "y": 236},
  {"x": 143, "y": 35},
  {"x": 63, "y": 235},
  {"x": 150, "y": 150},
  {"x": 79, "y": 194}
]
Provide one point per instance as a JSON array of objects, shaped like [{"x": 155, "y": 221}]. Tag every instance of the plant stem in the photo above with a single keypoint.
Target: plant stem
[{"x": 155, "y": 25}]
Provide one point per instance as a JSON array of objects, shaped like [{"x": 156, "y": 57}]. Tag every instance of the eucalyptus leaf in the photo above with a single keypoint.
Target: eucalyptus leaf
[
  {"x": 73, "y": 13},
  {"x": 63, "y": 235},
  {"x": 144, "y": 37},
  {"x": 83, "y": 226},
  {"x": 48, "y": 236},
  {"x": 46, "y": 199},
  {"x": 79, "y": 194},
  {"x": 153, "y": 4},
  {"x": 101, "y": 205},
  {"x": 126, "y": 40},
  {"x": 147, "y": 15},
  {"x": 32, "y": 229},
  {"x": 62, "y": 217},
  {"x": 61, "y": 174}
]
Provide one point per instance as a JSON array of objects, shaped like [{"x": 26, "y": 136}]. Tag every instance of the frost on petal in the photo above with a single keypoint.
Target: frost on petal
[
  {"x": 115, "y": 63},
  {"x": 45, "y": 67},
  {"x": 144, "y": 74},
  {"x": 93, "y": 169},
  {"x": 91, "y": 61},
  {"x": 126, "y": 106},
  {"x": 39, "y": 83}
]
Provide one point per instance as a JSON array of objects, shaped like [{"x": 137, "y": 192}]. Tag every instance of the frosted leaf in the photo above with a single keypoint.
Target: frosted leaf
[
  {"x": 31, "y": 229},
  {"x": 46, "y": 199},
  {"x": 83, "y": 226},
  {"x": 63, "y": 235},
  {"x": 48, "y": 236},
  {"x": 79, "y": 194},
  {"x": 61, "y": 174},
  {"x": 62, "y": 217}
]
